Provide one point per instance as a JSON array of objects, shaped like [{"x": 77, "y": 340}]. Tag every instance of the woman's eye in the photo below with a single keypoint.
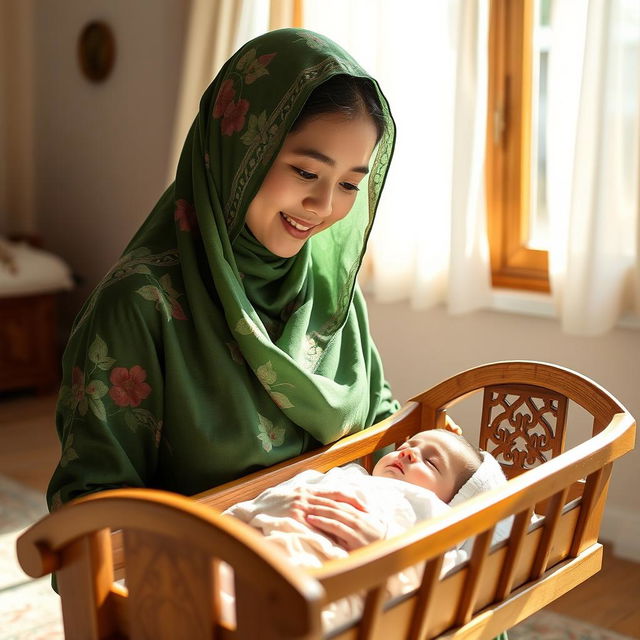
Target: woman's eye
[
  {"x": 307, "y": 175},
  {"x": 349, "y": 186}
]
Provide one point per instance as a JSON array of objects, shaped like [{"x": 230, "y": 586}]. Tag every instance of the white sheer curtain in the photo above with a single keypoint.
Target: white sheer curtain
[
  {"x": 429, "y": 241},
  {"x": 593, "y": 161},
  {"x": 215, "y": 30}
]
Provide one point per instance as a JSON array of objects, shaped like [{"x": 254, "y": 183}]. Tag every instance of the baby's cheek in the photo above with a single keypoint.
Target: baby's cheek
[
  {"x": 422, "y": 478},
  {"x": 377, "y": 470}
]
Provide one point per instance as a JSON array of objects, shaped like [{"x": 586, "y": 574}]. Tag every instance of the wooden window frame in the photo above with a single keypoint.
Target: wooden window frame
[{"x": 508, "y": 149}]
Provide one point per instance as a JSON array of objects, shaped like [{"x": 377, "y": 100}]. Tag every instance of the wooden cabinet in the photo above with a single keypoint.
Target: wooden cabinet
[{"x": 29, "y": 355}]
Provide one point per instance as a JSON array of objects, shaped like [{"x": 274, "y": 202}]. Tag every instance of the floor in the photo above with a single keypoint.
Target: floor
[
  {"x": 29, "y": 447},
  {"x": 29, "y": 452}
]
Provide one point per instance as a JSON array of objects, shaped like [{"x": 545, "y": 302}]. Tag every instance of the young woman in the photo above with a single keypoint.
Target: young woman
[{"x": 231, "y": 334}]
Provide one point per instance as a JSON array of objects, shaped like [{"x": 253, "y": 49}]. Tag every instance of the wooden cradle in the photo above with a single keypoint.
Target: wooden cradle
[{"x": 167, "y": 545}]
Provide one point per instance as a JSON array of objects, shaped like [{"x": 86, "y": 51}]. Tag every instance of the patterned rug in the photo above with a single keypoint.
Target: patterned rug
[
  {"x": 547, "y": 625},
  {"x": 30, "y": 610}
]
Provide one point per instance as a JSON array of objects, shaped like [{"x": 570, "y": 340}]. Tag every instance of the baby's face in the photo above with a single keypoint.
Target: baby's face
[{"x": 431, "y": 459}]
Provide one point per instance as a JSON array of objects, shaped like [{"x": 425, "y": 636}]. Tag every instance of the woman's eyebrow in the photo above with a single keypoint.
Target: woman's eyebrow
[{"x": 318, "y": 155}]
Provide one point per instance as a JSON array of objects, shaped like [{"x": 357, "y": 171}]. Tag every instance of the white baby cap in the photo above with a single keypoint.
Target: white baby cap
[{"x": 489, "y": 475}]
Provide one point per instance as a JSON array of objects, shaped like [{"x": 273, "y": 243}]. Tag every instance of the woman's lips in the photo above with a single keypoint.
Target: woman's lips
[{"x": 297, "y": 228}]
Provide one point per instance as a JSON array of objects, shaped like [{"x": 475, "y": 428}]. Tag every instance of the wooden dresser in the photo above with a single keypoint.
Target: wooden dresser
[{"x": 29, "y": 356}]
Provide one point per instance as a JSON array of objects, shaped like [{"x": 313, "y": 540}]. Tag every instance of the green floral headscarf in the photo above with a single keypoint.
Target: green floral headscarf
[{"x": 201, "y": 356}]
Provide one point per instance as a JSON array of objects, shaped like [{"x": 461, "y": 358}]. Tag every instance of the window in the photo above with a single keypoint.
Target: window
[{"x": 515, "y": 157}]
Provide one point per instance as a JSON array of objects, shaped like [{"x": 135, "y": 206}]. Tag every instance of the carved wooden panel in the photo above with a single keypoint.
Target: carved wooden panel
[{"x": 522, "y": 425}]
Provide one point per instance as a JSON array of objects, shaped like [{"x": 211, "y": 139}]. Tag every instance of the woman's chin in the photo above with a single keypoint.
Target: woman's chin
[{"x": 288, "y": 250}]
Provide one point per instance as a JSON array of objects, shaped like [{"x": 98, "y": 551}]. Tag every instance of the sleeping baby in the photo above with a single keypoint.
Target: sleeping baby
[{"x": 426, "y": 476}]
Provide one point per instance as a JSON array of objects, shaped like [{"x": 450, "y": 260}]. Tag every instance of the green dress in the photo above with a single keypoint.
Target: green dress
[{"x": 201, "y": 356}]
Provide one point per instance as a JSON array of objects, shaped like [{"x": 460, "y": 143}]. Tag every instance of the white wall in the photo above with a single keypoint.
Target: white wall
[
  {"x": 422, "y": 348},
  {"x": 102, "y": 149}
]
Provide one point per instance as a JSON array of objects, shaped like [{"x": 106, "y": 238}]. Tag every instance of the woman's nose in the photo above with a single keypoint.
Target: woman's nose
[{"x": 319, "y": 201}]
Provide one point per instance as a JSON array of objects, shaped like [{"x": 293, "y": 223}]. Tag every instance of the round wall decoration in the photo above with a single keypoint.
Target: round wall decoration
[{"x": 96, "y": 50}]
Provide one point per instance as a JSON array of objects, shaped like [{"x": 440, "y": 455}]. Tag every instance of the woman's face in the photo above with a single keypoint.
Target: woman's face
[{"x": 313, "y": 181}]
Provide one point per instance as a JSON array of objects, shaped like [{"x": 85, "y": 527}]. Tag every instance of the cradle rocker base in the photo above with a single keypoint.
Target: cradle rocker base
[{"x": 168, "y": 547}]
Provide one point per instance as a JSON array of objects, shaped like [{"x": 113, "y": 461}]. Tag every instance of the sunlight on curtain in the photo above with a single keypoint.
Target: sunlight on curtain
[
  {"x": 594, "y": 168},
  {"x": 429, "y": 241},
  {"x": 216, "y": 29}
]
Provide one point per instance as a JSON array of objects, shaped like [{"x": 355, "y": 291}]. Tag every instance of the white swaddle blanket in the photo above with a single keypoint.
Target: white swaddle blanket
[{"x": 397, "y": 504}]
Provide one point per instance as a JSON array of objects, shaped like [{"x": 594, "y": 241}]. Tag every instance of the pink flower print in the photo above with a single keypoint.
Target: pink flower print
[
  {"x": 258, "y": 68},
  {"x": 225, "y": 96},
  {"x": 129, "y": 386},
  {"x": 77, "y": 383},
  {"x": 92, "y": 388},
  {"x": 234, "y": 117},
  {"x": 185, "y": 215},
  {"x": 177, "y": 311},
  {"x": 265, "y": 59},
  {"x": 78, "y": 400},
  {"x": 77, "y": 386}
]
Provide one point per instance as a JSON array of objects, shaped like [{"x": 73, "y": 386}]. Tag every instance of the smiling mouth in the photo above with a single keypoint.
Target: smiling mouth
[{"x": 295, "y": 224}]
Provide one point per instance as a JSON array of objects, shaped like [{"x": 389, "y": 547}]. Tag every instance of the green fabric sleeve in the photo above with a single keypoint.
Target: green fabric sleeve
[
  {"x": 387, "y": 404},
  {"x": 109, "y": 438}
]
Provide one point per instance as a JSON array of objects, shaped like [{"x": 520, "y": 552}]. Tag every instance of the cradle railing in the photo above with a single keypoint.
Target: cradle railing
[{"x": 169, "y": 545}]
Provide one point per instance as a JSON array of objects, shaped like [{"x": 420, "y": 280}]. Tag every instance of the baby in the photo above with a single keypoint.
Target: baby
[{"x": 427, "y": 475}]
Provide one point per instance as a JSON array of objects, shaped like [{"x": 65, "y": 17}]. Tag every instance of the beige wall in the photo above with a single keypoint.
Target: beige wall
[{"x": 101, "y": 149}]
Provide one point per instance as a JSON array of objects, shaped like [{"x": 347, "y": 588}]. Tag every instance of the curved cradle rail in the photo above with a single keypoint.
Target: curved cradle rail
[{"x": 171, "y": 543}]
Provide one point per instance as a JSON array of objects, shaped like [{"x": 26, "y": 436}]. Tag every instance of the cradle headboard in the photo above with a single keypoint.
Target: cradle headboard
[
  {"x": 523, "y": 426},
  {"x": 524, "y": 408},
  {"x": 501, "y": 381}
]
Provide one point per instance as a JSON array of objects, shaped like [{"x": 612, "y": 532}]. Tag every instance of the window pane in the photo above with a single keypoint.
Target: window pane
[{"x": 538, "y": 217}]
